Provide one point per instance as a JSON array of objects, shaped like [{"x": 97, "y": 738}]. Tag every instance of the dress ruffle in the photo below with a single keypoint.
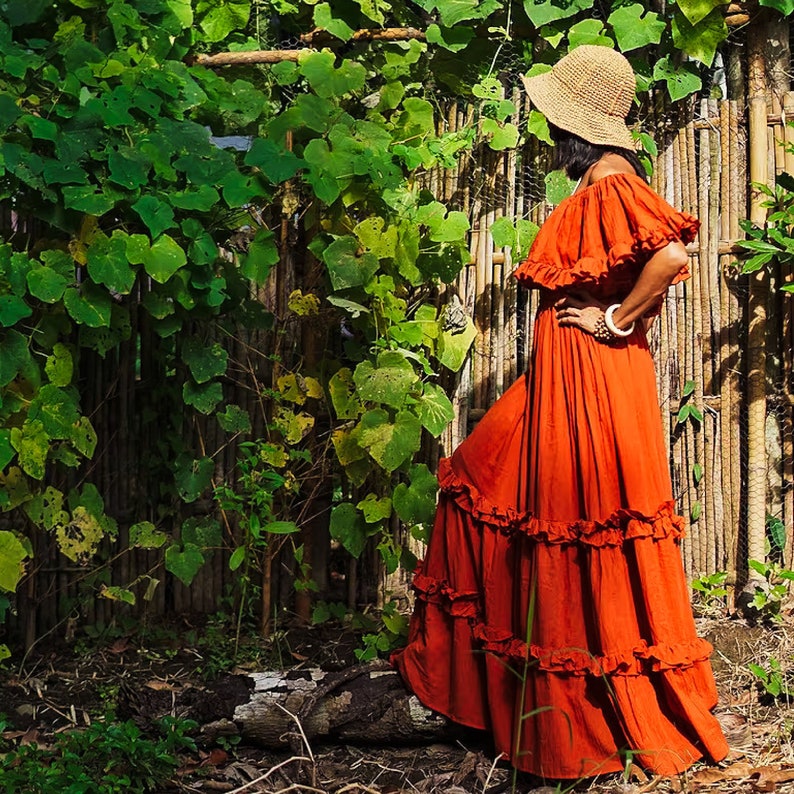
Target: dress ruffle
[
  {"x": 639, "y": 660},
  {"x": 633, "y": 223},
  {"x": 623, "y": 524}
]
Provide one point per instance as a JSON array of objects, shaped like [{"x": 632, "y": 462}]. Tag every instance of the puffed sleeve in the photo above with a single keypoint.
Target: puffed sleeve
[{"x": 601, "y": 237}]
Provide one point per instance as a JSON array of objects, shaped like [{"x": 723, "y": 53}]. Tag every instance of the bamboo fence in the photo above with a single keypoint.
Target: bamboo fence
[{"x": 705, "y": 334}]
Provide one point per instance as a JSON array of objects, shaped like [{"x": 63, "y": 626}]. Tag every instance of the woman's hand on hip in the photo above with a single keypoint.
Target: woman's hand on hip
[{"x": 580, "y": 310}]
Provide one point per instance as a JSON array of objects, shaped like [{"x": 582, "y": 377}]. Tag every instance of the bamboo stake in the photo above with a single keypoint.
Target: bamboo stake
[{"x": 756, "y": 352}]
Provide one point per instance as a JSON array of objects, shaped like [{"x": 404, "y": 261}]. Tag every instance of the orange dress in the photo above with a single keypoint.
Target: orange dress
[{"x": 552, "y": 608}]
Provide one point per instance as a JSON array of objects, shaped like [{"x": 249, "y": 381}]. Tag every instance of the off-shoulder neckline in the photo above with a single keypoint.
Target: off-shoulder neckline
[{"x": 607, "y": 178}]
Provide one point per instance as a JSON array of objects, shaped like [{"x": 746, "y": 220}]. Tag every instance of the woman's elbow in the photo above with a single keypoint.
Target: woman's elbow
[{"x": 670, "y": 260}]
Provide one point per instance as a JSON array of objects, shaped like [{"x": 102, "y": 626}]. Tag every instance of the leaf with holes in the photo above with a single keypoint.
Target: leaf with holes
[
  {"x": 388, "y": 382},
  {"x": 192, "y": 477},
  {"x": 144, "y": 535},
  {"x": 12, "y": 556},
  {"x": 435, "y": 409},
  {"x": 389, "y": 442}
]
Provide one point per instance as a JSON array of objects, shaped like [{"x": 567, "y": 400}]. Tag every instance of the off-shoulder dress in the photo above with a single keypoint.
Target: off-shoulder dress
[{"x": 552, "y": 608}]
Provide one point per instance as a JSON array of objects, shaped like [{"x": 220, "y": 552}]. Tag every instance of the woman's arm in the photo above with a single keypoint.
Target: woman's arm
[{"x": 583, "y": 311}]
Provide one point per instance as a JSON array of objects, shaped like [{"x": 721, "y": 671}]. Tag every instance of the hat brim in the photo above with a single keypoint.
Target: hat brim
[{"x": 552, "y": 99}]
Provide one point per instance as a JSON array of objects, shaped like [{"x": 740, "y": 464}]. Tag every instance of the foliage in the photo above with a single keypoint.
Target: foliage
[
  {"x": 711, "y": 590},
  {"x": 771, "y": 593},
  {"x": 775, "y": 680},
  {"x": 137, "y": 211},
  {"x": 775, "y": 242},
  {"x": 102, "y": 759}
]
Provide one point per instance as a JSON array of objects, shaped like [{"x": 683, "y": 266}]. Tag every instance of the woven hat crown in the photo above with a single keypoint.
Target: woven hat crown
[{"x": 599, "y": 78}]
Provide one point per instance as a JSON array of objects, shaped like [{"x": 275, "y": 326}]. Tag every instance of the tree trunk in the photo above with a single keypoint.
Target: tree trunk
[{"x": 366, "y": 704}]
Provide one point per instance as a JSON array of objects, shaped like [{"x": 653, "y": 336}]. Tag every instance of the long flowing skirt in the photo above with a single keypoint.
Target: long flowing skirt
[{"x": 552, "y": 608}]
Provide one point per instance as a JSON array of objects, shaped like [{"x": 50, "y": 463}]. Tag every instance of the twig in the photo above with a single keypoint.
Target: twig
[
  {"x": 491, "y": 771},
  {"x": 305, "y": 741},
  {"x": 269, "y": 772}
]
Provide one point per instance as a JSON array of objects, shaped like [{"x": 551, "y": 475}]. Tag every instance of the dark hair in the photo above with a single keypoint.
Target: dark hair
[{"x": 575, "y": 155}]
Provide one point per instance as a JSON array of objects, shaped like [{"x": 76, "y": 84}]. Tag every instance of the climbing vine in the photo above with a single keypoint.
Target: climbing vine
[{"x": 126, "y": 200}]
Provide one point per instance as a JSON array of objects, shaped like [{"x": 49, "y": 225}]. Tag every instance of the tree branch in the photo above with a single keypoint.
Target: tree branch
[{"x": 315, "y": 36}]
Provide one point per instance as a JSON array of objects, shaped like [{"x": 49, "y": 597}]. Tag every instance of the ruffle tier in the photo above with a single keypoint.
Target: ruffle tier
[
  {"x": 600, "y": 238},
  {"x": 638, "y": 660},
  {"x": 623, "y": 524}
]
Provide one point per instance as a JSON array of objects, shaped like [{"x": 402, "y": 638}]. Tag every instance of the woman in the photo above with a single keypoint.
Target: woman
[{"x": 552, "y": 608}]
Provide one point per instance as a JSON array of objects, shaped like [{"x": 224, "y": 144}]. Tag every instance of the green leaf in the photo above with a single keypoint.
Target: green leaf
[
  {"x": 184, "y": 563},
  {"x": 6, "y": 450},
  {"x": 115, "y": 593},
  {"x": 776, "y": 530},
  {"x": 453, "y": 347},
  {"x": 372, "y": 236},
  {"x": 503, "y": 232},
  {"x": 588, "y": 31},
  {"x": 59, "y": 366},
  {"x": 375, "y": 509},
  {"x": 633, "y": 29},
  {"x": 144, "y": 535},
  {"x": 234, "y": 420},
  {"x": 32, "y": 445},
  {"x": 326, "y": 80},
  {"x": 128, "y": 167},
  {"x": 344, "y": 267},
  {"x": 323, "y": 18},
  {"x": 46, "y": 284},
  {"x": 697, "y": 473},
  {"x": 156, "y": 214},
  {"x": 14, "y": 355},
  {"x": 435, "y": 409},
  {"x": 785, "y": 7},
  {"x": 87, "y": 199},
  {"x": 83, "y": 437},
  {"x": 500, "y": 136},
  {"x": 205, "y": 361},
  {"x": 237, "y": 558},
  {"x": 349, "y": 528},
  {"x": 202, "y": 199},
  {"x": 700, "y": 41},
  {"x": 689, "y": 388},
  {"x": 192, "y": 477},
  {"x": 164, "y": 258},
  {"x": 12, "y": 554},
  {"x": 275, "y": 162},
  {"x": 108, "y": 263},
  {"x": 262, "y": 254},
  {"x": 681, "y": 80},
  {"x": 538, "y": 126},
  {"x": 389, "y": 442},
  {"x": 88, "y": 305},
  {"x": 56, "y": 408},
  {"x": 541, "y": 12},
  {"x": 342, "y": 389},
  {"x": 281, "y": 527},
  {"x": 416, "y": 122},
  {"x": 224, "y": 17},
  {"x": 415, "y": 502},
  {"x": 695, "y": 512},
  {"x": 388, "y": 382},
  {"x": 452, "y": 39},
  {"x": 696, "y": 10},
  {"x": 203, "y": 397},
  {"x": 558, "y": 187},
  {"x": 12, "y": 310}
]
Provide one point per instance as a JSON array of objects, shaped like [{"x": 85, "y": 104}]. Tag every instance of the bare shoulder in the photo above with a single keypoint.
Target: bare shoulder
[{"x": 610, "y": 164}]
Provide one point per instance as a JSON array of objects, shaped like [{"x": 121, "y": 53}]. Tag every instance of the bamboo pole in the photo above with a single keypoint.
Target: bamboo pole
[{"x": 756, "y": 352}]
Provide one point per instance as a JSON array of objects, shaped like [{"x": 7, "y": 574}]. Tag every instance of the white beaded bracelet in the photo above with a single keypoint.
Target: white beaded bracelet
[{"x": 610, "y": 323}]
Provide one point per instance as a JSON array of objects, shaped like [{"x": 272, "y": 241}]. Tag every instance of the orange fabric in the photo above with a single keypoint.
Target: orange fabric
[{"x": 562, "y": 495}]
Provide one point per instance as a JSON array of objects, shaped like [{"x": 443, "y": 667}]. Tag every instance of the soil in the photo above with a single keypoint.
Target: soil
[{"x": 60, "y": 686}]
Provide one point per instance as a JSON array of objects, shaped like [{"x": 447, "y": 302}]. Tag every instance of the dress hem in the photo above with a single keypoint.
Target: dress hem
[{"x": 623, "y": 524}]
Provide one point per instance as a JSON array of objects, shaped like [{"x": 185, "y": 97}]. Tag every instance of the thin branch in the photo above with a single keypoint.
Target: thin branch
[{"x": 318, "y": 35}]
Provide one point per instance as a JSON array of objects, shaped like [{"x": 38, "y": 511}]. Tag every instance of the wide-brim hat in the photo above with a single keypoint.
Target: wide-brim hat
[{"x": 589, "y": 92}]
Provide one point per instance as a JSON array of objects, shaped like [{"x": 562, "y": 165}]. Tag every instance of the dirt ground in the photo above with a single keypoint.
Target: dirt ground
[{"x": 57, "y": 688}]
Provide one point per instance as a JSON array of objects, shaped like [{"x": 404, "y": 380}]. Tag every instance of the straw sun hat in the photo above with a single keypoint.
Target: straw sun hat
[{"x": 589, "y": 93}]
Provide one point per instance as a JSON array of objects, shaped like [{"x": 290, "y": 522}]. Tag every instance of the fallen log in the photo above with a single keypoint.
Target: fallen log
[{"x": 365, "y": 704}]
